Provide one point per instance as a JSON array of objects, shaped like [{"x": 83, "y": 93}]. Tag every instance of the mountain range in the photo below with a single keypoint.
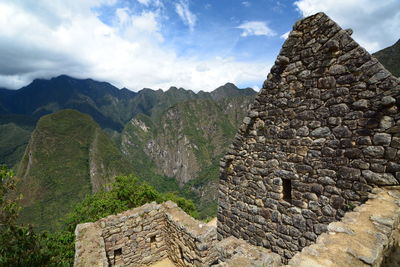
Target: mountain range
[
  {"x": 68, "y": 137},
  {"x": 167, "y": 138}
]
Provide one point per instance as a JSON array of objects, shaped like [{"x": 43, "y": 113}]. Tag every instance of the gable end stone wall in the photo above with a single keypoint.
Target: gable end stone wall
[{"x": 323, "y": 131}]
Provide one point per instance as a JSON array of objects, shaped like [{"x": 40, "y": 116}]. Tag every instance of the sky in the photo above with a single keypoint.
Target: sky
[{"x": 194, "y": 44}]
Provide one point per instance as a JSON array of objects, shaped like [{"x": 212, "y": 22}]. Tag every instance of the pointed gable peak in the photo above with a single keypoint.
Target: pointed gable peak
[{"x": 318, "y": 53}]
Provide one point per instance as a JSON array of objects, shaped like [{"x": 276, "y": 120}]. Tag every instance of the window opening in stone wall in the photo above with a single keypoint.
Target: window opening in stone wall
[
  {"x": 153, "y": 239},
  {"x": 117, "y": 256},
  {"x": 287, "y": 190}
]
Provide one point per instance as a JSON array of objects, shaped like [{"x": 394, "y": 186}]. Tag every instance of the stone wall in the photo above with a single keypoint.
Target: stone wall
[
  {"x": 189, "y": 242},
  {"x": 134, "y": 237},
  {"x": 323, "y": 131},
  {"x": 368, "y": 236},
  {"x": 153, "y": 232},
  {"x": 89, "y": 246}
]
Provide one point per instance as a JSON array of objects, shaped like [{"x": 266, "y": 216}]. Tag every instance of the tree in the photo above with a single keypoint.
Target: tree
[{"x": 19, "y": 246}]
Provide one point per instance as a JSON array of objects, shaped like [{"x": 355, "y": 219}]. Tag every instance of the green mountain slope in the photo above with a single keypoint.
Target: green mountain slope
[
  {"x": 109, "y": 106},
  {"x": 185, "y": 143},
  {"x": 13, "y": 140},
  {"x": 68, "y": 157},
  {"x": 187, "y": 133},
  {"x": 390, "y": 58}
]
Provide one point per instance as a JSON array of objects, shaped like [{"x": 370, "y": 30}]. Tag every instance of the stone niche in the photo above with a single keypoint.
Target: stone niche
[{"x": 322, "y": 133}]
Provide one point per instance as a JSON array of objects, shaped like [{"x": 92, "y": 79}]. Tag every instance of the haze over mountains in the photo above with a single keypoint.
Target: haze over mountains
[{"x": 172, "y": 139}]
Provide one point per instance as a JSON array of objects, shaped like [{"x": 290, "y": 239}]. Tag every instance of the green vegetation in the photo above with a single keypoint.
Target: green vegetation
[
  {"x": 13, "y": 141},
  {"x": 140, "y": 162},
  {"x": 19, "y": 246},
  {"x": 206, "y": 124},
  {"x": 127, "y": 192},
  {"x": 22, "y": 246},
  {"x": 390, "y": 58},
  {"x": 68, "y": 157},
  {"x": 203, "y": 189}
]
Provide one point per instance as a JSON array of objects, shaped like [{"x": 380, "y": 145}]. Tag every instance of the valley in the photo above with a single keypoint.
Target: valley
[{"x": 171, "y": 139}]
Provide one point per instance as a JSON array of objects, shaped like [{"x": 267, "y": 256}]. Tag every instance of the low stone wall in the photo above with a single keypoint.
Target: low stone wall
[
  {"x": 153, "y": 232},
  {"x": 367, "y": 236},
  {"x": 189, "y": 242},
  {"x": 136, "y": 236}
]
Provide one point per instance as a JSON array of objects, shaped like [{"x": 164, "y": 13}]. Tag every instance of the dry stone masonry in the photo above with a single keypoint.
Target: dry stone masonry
[
  {"x": 153, "y": 232},
  {"x": 367, "y": 236},
  {"x": 322, "y": 138},
  {"x": 323, "y": 131}
]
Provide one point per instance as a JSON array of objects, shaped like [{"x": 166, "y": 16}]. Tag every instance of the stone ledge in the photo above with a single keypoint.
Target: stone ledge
[
  {"x": 364, "y": 237},
  {"x": 233, "y": 252},
  {"x": 188, "y": 224}
]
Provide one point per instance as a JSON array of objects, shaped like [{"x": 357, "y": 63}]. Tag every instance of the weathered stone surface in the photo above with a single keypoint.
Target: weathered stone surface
[
  {"x": 235, "y": 252},
  {"x": 361, "y": 104},
  {"x": 361, "y": 238},
  {"x": 386, "y": 122},
  {"x": 153, "y": 232},
  {"x": 383, "y": 139},
  {"x": 388, "y": 100},
  {"x": 89, "y": 246},
  {"x": 379, "y": 178},
  {"x": 331, "y": 130},
  {"x": 321, "y": 132},
  {"x": 374, "y": 151}
]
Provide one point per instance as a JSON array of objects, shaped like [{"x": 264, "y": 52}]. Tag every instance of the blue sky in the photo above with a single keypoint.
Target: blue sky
[
  {"x": 195, "y": 44},
  {"x": 215, "y": 30}
]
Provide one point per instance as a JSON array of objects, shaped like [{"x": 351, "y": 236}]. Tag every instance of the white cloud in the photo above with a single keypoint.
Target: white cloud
[
  {"x": 256, "y": 28},
  {"x": 375, "y": 23},
  {"x": 144, "y": 2},
  {"x": 285, "y": 35},
  {"x": 182, "y": 9},
  {"x": 246, "y": 3},
  {"x": 156, "y": 3},
  {"x": 43, "y": 39}
]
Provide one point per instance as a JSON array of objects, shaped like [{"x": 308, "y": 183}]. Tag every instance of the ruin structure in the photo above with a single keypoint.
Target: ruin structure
[
  {"x": 323, "y": 131},
  {"x": 153, "y": 232},
  {"x": 322, "y": 138}
]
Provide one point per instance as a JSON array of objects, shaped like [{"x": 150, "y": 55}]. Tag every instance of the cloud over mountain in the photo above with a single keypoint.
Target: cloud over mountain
[{"x": 127, "y": 47}]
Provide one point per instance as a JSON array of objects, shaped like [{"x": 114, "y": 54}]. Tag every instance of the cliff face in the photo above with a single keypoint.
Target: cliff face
[
  {"x": 172, "y": 138},
  {"x": 188, "y": 137},
  {"x": 68, "y": 157},
  {"x": 184, "y": 145}
]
